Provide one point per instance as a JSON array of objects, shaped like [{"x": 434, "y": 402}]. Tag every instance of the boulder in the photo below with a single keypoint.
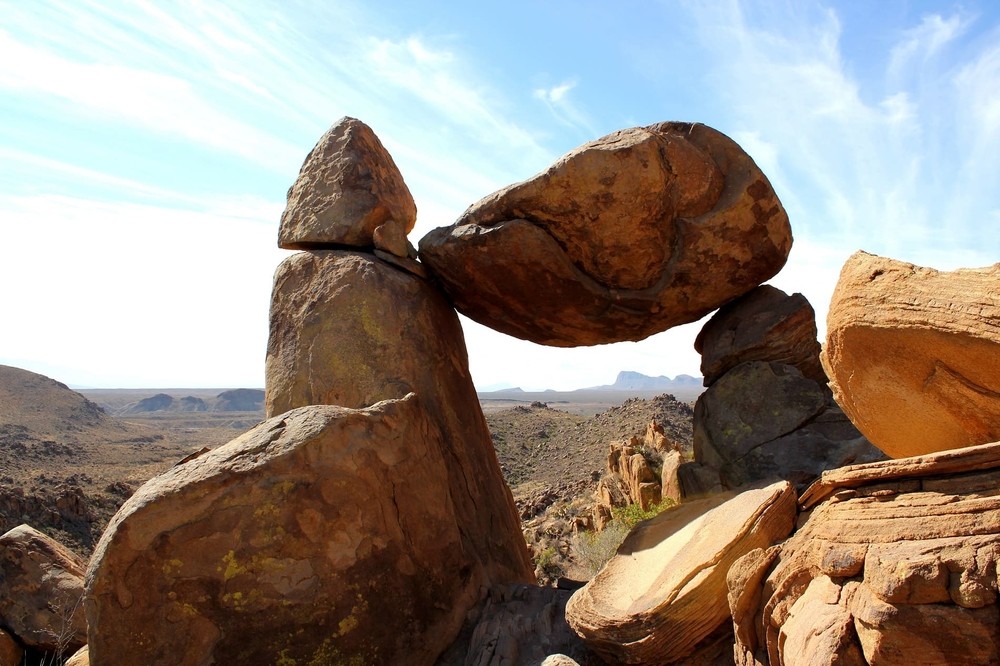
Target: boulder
[
  {"x": 913, "y": 354},
  {"x": 41, "y": 584},
  {"x": 665, "y": 589},
  {"x": 349, "y": 193},
  {"x": 79, "y": 658},
  {"x": 765, "y": 324},
  {"x": 621, "y": 238},
  {"x": 670, "y": 485},
  {"x": 324, "y": 535},
  {"x": 894, "y": 562},
  {"x": 349, "y": 329},
  {"x": 11, "y": 652}
]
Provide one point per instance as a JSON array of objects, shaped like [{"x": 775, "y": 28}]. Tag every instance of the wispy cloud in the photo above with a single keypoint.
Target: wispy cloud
[{"x": 558, "y": 101}]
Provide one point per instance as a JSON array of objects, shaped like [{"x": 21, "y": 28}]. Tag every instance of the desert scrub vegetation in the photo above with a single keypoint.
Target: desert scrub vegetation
[{"x": 594, "y": 549}]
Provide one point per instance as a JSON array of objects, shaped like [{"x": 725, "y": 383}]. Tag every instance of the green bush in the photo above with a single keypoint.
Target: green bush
[{"x": 633, "y": 514}]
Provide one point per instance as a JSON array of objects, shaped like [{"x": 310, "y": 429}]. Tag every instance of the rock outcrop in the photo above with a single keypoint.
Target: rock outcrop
[
  {"x": 349, "y": 193},
  {"x": 326, "y": 534},
  {"x": 665, "y": 590},
  {"x": 767, "y": 413},
  {"x": 894, "y": 562},
  {"x": 624, "y": 237},
  {"x": 11, "y": 652},
  {"x": 913, "y": 354},
  {"x": 41, "y": 584}
]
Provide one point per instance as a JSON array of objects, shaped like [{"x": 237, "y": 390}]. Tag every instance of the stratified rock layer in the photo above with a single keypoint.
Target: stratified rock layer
[
  {"x": 348, "y": 192},
  {"x": 324, "y": 535},
  {"x": 665, "y": 590},
  {"x": 622, "y": 238},
  {"x": 913, "y": 354},
  {"x": 41, "y": 584},
  {"x": 894, "y": 563}
]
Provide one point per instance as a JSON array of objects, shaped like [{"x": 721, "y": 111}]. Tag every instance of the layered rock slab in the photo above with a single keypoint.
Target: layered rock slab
[
  {"x": 665, "y": 589},
  {"x": 349, "y": 329},
  {"x": 624, "y": 237},
  {"x": 913, "y": 354},
  {"x": 348, "y": 192},
  {"x": 324, "y": 535},
  {"x": 894, "y": 562},
  {"x": 41, "y": 586}
]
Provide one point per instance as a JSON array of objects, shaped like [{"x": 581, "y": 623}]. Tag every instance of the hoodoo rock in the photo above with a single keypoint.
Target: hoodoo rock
[
  {"x": 913, "y": 354},
  {"x": 624, "y": 237},
  {"x": 764, "y": 325},
  {"x": 894, "y": 562},
  {"x": 349, "y": 193},
  {"x": 41, "y": 584},
  {"x": 665, "y": 590},
  {"x": 324, "y": 535}
]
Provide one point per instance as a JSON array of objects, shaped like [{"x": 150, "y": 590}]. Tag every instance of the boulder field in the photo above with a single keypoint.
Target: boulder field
[{"x": 366, "y": 521}]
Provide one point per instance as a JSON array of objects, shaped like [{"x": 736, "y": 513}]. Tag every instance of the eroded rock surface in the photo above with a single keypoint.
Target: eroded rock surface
[
  {"x": 624, "y": 237},
  {"x": 665, "y": 589},
  {"x": 348, "y": 192},
  {"x": 913, "y": 354},
  {"x": 41, "y": 584},
  {"x": 893, "y": 563},
  {"x": 323, "y": 535}
]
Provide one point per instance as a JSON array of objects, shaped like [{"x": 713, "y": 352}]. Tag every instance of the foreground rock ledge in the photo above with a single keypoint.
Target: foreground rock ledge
[
  {"x": 665, "y": 590},
  {"x": 624, "y": 237},
  {"x": 913, "y": 354},
  {"x": 324, "y": 535}
]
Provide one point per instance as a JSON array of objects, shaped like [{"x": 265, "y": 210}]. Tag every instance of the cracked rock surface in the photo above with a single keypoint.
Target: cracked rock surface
[{"x": 626, "y": 236}]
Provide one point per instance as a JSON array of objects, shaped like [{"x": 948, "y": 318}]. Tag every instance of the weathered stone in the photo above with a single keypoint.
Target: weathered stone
[
  {"x": 670, "y": 485},
  {"x": 11, "y": 652},
  {"x": 41, "y": 584},
  {"x": 698, "y": 480},
  {"x": 325, "y": 534},
  {"x": 665, "y": 590},
  {"x": 349, "y": 192},
  {"x": 349, "y": 329},
  {"x": 79, "y": 658},
  {"x": 765, "y": 324},
  {"x": 894, "y": 563},
  {"x": 913, "y": 354},
  {"x": 624, "y": 237}
]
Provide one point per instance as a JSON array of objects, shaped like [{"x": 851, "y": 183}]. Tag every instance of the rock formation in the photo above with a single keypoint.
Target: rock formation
[
  {"x": 348, "y": 193},
  {"x": 665, "y": 590},
  {"x": 11, "y": 652},
  {"x": 324, "y": 533},
  {"x": 767, "y": 413},
  {"x": 913, "y": 354},
  {"x": 894, "y": 562},
  {"x": 624, "y": 237},
  {"x": 41, "y": 584}
]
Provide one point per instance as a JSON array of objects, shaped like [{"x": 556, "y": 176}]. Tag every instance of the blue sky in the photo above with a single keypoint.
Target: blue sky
[{"x": 146, "y": 148}]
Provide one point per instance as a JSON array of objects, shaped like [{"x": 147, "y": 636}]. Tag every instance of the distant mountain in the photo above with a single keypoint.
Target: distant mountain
[
  {"x": 240, "y": 400},
  {"x": 629, "y": 380}
]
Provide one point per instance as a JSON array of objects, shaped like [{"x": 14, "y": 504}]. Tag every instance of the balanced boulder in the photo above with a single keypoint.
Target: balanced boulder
[
  {"x": 349, "y": 193},
  {"x": 913, "y": 354},
  {"x": 665, "y": 589},
  {"x": 894, "y": 562},
  {"x": 41, "y": 586},
  {"x": 324, "y": 535},
  {"x": 624, "y": 237}
]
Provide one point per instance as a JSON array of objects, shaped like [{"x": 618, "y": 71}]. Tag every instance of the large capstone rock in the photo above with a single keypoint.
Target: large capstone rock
[
  {"x": 349, "y": 329},
  {"x": 349, "y": 192},
  {"x": 894, "y": 562},
  {"x": 41, "y": 585},
  {"x": 765, "y": 324},
  {"x": 624, "y": 237},
  {"x": 324, "y": 535},
  {"x": 665, "y": 590},
  {"x": 913, "y": 354}
]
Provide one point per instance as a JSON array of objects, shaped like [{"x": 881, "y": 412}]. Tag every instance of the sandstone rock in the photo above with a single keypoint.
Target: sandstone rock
[
  {"x": 326, "y": 534},
  {"x": 349, "y": 192},
  {"x": 894, "y": 563},
  {"x": 698, "y": 480},
  {"x": 670, "y": 485},
  {"x": 913, "y": 354},
  {"x": 665, "y": 590},
  {"x": 624, "y": 237},
  {"x": 765, "y": 324},
  {"x": 349, "y": 329},
  {"x": 559, "y": 660},
  {"x": 80, "y": 658},
  {"x": 41, "y": 584},
  {"x": 11, "y": 652}
]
